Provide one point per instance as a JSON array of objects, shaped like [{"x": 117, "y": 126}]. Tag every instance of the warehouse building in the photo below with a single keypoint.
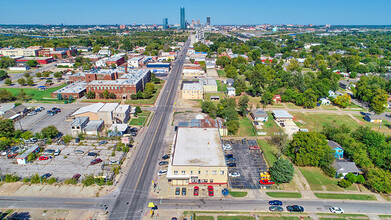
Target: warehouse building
[
  {"x": 197, "y": 158},
  {"x": 76, "y": 90}
]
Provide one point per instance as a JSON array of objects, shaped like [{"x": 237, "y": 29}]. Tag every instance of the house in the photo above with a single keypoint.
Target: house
[
  {"x": 332, "y": 94},
  {"x": 230, "y": 82},
  {"x": 22, "y": 159},
  {"x": 338, "y": 150},
  {"x": 282, "y": 115},
  {"x": 277, "y": 99},
  {"x": 373, "y": 118},
  {"x": 347, "y": 84},
  {"x": 344, "y": 167},
  {"x": 324, "y": 101},
  {"x": 259, "y": 115},
  {"x": 118, "y": 130},
  {"x": 231, "y": 91}
]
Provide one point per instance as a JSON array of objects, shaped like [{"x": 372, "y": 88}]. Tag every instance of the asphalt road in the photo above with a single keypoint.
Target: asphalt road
[{"x": 132, "y": 198}]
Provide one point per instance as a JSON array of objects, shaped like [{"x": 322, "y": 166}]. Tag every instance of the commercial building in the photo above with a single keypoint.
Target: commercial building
[
  {"x": 76, "y": 90},
  {"x": 16, "y": 52},
  {"x": 22, "y": 159},
  {"x": 123, "y": 87},
  {"x": 259, "y": 115},
  {"x": 209, "y": 85},
  {"x": 182, "y": 18},
  {"x": 282, "y": 115},
  {"x": 40, "y": 60},
  {"x": 207, "y": 122},
  {"x": 192, "y": 91},
  {"x": 115, "y": 60},
  {"x": 105, "y": 52},
  {"x": 83, "y": 125},
  {"x": 192, "y": 72},
  {"x": 135, "y": 62},
  {"x": 197, "y": 158},
  {"x": 208, "y": 21},
  {"x": 59, "y": 53},
  {"x": 165, "y": 23},
  {"x": 110, "y": 113}
]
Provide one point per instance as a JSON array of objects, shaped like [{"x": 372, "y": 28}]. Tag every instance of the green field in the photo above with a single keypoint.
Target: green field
[
  {"x": 284, "y": 194},
  {"x": 384, "y": 127},
  {"x": 320, "y": 182},
  {"x": 204, "y": 218},
  {"x": 208, "y": 95},
  {"x": 238, "y": 194},
  {"x": 345, "y": 196},
  {"x": 246, "y": 128},
  {"x": 221, "y": 73},
  {"x": 150, "y": 101},
  {"x": 37, "y": 95},
  {"x": 315, "y": 121},
  {"x": 242, "y": 217},
  {"x": 141, "y": 119},
  {"x": 221, "y": 87},
  {"x": 270, "y": 126}
]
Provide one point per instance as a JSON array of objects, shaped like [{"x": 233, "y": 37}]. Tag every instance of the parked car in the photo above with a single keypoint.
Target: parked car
[
  {"x": 227, "y": 147},
  {"x": 93, "y": 154},
  {"x": 177, "y": 191},
  {"x": 37, "y": 110},
  {"x": 46, "y": 175},
  {"x": 97, "y": 160},
  {"x": 196, "y": 191},
  {"x": 234, "y": 174},
  {"x": 229, "y": 156},
  {"x": 43, "y": 158},
  {"x": 162, "y": 163},
  {"x": 276, "y": 208},
  {"x": 266, "y": 182},
  {"x": 232, "y": 141},
  {"x": 77, "y": 140},
  {"x": 133, "y": 129},
  {"x": 134, "y": 134},
  {"x": 162, "y": 172},
  {"x": 255, "y": 123},
  {"x": 41, "y": 108},
  {"x": 295, "y": 208},
  {"x": 31, "y": 113},
  {"x": 79, "y": 152},
  {"x": 49, "y": 152},
  {"x": 165, "y": 157},
  {"x": 275, "y": 202},
  {"x": 102, "y": 142},
  {"x": 183, "y": 191},
  {"x": 76, "y": 176},
  {"x": 230, "y": 160},
  {"x": 282, "y": 124},
  {"x": 243, "y": 141},
  {"x": 336, "y": 210},
  {"x": 210, "y": 191},
  {"x": 57, "y": 152},
  {"x": 231, "y": 164}
]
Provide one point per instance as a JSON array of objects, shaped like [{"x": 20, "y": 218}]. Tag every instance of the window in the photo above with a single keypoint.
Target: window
[
  {"x": 214, "y": 172},
  {"x": 191, "y": 172},
  {"x": 205, "y": 180},
  {"x": 199, "y": 172},
  {"x": 211, "y": 180},
  {"x": 175, "y": 172},
  {"x": 183, "y": 172},
  {"x": 222, "y": 172}
]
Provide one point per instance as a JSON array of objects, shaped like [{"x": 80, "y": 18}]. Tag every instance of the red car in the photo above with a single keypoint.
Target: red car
[
  {"x": 43, "y": 158},
  {"x": 196, "y": 190},
  {"x": 76, "y": 176},
  {"x": 97, "y": 160},
  {"x": 266, "y": 182},
  {"x": 210, "y": 191}
]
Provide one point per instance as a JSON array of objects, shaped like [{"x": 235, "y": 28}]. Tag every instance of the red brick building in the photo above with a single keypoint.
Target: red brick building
[
  {"x": 117, "y": 61},
  {"x": 40, "y": 60}
]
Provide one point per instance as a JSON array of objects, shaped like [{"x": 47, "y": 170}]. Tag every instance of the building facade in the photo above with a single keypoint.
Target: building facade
[
  {"x": 192, "y": 91},
  {"x": 182, "y": 18}
]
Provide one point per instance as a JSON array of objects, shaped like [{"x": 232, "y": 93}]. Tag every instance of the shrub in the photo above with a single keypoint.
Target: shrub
[
  {"x": 26, "y": 180},
  {"x": 361, "y": 179},
  {"x": 116, "y": 169},
  {"x": 113, "y": 154},
  {"x": 351, "y": 177},
  {"x": 51, "y": 180},
  {"x": 11, "y": 178},
  {"x": 88, "y": 180},
  {"x": 32, "y": 157},
  {"x": 344, "y": 183},
  {"x": 329, "y": 171},
  {"x": 70, "y": 181},
  {"x": 35, "y": 179}
]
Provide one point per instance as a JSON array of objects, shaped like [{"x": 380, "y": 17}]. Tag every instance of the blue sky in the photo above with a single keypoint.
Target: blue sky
[{"x": 360, "y": 12}]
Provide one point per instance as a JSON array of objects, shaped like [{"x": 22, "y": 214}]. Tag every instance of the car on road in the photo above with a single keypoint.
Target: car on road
[
  {"x": 57, "y": 152},
  {"x": 174, "y": 218},
  {"x": 183, "y": 191},
  {"x": 162, "y": 163},
  {"x": 275, "y": 202},
  {"x": 196, "y": 191},
  {"x": 177, "y": 191},
  {"x": 96, "y": 161},
  {"x": 165, "y": 157},
  {"x": 232, "y": 141},
  {"x": 294, "y": 208},
  {"x": 335, "y": 209},
  {"x": 76, "y": 176},
  {"x": 41, "y": 108},
  {"x": 231, "y": 164},
  {"x": 276, "y": 208},
  {"x": 92, "y": 154},
  {"x": 210, "y": 191},
  {"x": 79, "y": 152},
  {"x": 46, "y": 175},
  {"x": 102, "y": 142},
  {"x": 162, "y": 172},
  {"x": 31, "y": 113},
  {"x": 43, "y": 158},
  {"x": 234, "y": 174}
]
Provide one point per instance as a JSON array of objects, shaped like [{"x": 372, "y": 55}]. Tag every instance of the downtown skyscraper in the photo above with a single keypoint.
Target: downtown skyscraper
[
  {"x": 165, "y": 23},
  {"x": 183, "y": 20}
]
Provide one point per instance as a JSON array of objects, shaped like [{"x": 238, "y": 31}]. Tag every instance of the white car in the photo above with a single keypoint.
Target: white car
[
  {"x": 162, "y": 172},
  {"x": 336, "y": 210},
  {"x": 31, "y": 113},
  {"x": 227, "y": 147},
  {"x": 234, "y": 174}
]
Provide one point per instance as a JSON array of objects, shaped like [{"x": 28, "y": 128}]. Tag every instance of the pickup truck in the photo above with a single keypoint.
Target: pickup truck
[{"x": 266, "y": 182}]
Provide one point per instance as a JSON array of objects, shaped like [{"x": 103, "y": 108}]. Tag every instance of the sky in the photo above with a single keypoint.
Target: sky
[{"x": 74, "y": 12}]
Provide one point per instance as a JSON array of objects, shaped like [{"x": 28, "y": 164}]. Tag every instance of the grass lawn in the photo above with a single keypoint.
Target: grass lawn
[
  {"x": 269, "y": 151},
  {"x": 318, "y": 180},
  {"x": 103, "y": 100},
  {"x": 385, "y": 125},
  {"x": 204, "y": 217},
  {"x": 284, "y": 194},
  {"x": 150, "y": 101},
  {"x": 315, "y": 121},
  {"x": 208, "y": 95},
  {"x": 329, "y": 107},
  {"x": 221, "y": 87},
  {"x": 246, "y": 128},
  {"x": 335, "y": 216},
  {"x": 235, "y": 217},
  {"x": 282, "y": 217},
  {"x": 292, "y": 106},
  {"x": 384, "y": 216},
  {"x": 270, "y": 126},
  {"x": 141, "y": 119},
  {"x": 238, "y": 194},
  {"x": 345, "y": 196},
  {"x": 38, "y": 95},
  {"x": 221, "y": 73},
  {"x": 14, "y": 71}
]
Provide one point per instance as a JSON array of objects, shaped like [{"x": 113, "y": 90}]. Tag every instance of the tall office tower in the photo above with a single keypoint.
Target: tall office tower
[
  {"x": 208, "y": 21},
  {"x": 183, "y": 20},
  {"x": 165, "y": 23},
  {"x": 198, "y": 22}
]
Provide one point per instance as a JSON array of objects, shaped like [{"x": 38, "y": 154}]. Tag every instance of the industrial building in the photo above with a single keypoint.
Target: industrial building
[
  {"x": 76, "y": 90},
  {"x": 197, "y": 158}
]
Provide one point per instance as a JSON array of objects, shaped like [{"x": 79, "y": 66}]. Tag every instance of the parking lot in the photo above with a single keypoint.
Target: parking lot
[
  {"x": 36, "y": 123},
  {"x": 249, "y": 163},
  {"x": 68, "y": 163}
]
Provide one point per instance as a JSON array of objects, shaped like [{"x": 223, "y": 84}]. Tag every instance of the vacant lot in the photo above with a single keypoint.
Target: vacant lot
[
  {"x": 141, "y": 119},
  {"x": 208, "y": 95},
  {"x": 222, "y": 87},
  {"x": 246, "y": 128},
  {"x": 235, "y": 218},
  {"x": 221, "y": 73},
  {"x": 269, "y": 151},
  {"x": 35, "y": 94},
  {"x": 150, "y": 101},
  {"x": 345, "y": 196},
  {"x": 384, "y": 127},
  {"x": 315, "y": 121}
]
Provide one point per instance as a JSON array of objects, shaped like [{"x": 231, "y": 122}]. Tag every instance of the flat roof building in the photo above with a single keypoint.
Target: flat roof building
[
  {"x": 192, "y": 91},
  {"x": 209, "y": 85},
  {"x": 282, "y": 115},
  {"x": 197, "y": 158},
  {"x": 76, "y": 90}
]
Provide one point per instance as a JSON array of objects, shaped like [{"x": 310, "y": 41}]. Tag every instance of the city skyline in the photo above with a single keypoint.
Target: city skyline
[{"x": 253, "y": 12}]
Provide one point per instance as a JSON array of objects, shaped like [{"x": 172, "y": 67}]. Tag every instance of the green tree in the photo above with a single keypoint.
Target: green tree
[
  {"x": 26, "y": 75},
  {"x": 209, "y": 108},
  {"x": 67, "y": 138},
  {"x": 30, "y": 82},
  {"x": 3, "y": 74},
  {"x": 70, "y": 99},
  {"x": 223, "y": 61},
  {"x": 282, "y": 171},
  {"x": 138, "y": 110},
  {"x": 243, "y": 104},
  {"x": 147, "y": 94},
  {"x": 351, "y": 177},
  {"x": 233, "y": 126},
  {"x": 342, "y": 101},
  {"x": 21, "y": 81},
  {"x": 361, "y": 179},
  {"x": 6, "y": 62},
  {"x": 27, "y": 135},
  {"x": 267, "y": 99},
  {"x": 38, "y": 75},
  {"x": 5, "y": 143},
  {"x": 90, "y": 95},
  {"x": 139, "y": 95},
  {"x": 8, "y": 82},
  {"x": 379, "y": 102},
  {"x": 46, "y": 74},
  {"x": 150, "y": 87},
  {"x": 230, "y": 71},
  {"x": 49, "y": 132},
  {"x": 344, "y": 183},
  {"x": 59, "y": 96},
  {"x": 32, "y": 63},
  {"x": 106, "y": 94},
  {"x": 22, "y": 95},
  {"x": 6, "y": 96},
  {"x": 7, "y": 128},
  {"x": 57, "y": 75},
  {"x": 378, "y": 180}
]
